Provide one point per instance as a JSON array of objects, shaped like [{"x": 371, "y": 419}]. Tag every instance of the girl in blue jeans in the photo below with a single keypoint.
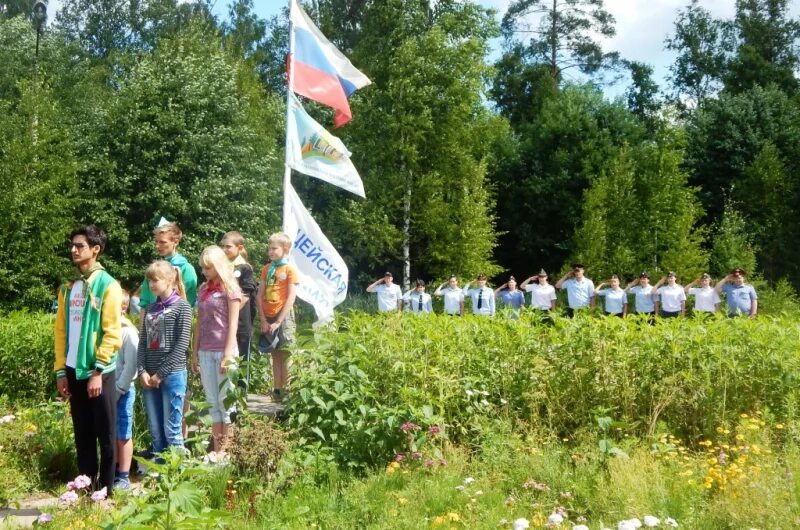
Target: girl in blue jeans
[{"x": 163, "y": 345}]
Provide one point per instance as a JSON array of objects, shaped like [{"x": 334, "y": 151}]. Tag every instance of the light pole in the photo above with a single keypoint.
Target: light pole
[{"x": 39, "y": 17}]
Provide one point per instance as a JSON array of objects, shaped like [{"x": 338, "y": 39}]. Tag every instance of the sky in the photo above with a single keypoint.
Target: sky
[{"x": 642, "y": 26}]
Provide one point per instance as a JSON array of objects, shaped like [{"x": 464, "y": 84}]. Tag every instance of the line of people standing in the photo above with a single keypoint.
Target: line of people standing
[
  {"x": 666, "y": 298},
  {"x": 98, "y": 351}
]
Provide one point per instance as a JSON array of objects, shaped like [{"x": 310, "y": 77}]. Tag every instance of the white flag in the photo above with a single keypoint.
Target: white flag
[
  {"x": 312, "y": 150},
  {"x": 323, "y": 273}
]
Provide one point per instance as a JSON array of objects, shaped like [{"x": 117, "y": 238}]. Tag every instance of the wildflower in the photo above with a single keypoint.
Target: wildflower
[
  {"x": 459, "y": 488},
  {"x": 402, "y": 501},
  {"x": 442, "y": 462},
  {"x": 71, "y": 485},
  {"x": 509, "y": 500},
  {"x": 416, "y": 455},
  {"x": 580, "y": 527},
  {"x": 453, "y": 516},
  {"x": 722, "y": 458},
  {"x": 503, "y": 522},
  {"x": 409, "y": 426},
  {"x": 555, "y": 518},
  {"x": 399, "y": 457},
  {"x": 566, "y": 495},
  {"x": 99, "y": 495},
  {"x": 503, "y": 401},
  {"x": 651, "y": 521},
  {"x": 82, "y": 481},
  {"x": 469, "y": 480},
  {"x": 8, "y": 418},
  {"x": 429, "y": 463},
  {"x": 68, "y": 497},
  {"x": 434, "y": 429},
  {"x": 479, "y": 492},
  {"x": 561, "y": 511},
  {"x": 44, "y": 518},
  {"x": 672, "y": 523},
  {"x": 392, "y": 467},
  {"x": 521, "y": 524}
]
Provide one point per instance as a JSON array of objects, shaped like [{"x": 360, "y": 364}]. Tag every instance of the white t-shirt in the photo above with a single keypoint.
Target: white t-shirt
[
  {"x": 671, "y": 297},
  {"x": 453, "y": 298},
  {"x": 418, "y": 302},
  {"x": 388, "y": 296},
  {"x": 644, "y": 298},
  {"x": 705, "y": 299},
  {"x": 541, "y": 295},
  {"x": 76, "y": 303}
]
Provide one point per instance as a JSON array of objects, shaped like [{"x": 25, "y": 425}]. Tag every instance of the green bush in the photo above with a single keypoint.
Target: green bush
[
  {"x": 688, "y": 375},
  {"x": 27, "y": 355}
]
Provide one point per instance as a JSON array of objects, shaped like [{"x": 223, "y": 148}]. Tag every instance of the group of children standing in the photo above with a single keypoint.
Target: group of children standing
[
  {"x": 666, "y": 298},
  {"x": 91, "y": 327}
]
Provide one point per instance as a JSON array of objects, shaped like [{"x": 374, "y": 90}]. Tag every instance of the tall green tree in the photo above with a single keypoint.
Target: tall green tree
[
  {"x": 772, "y": 216},
  {"x": 732, "y": 244},
  {"x": 700, "y": 42},
  {"x": 562, "y": 33},
  {"x": 766, "y": 47},
  {"x": 640, "y": 214},
  {"x": 420, "y": 138},
  {"x": 38, "y": 176},
  {"x": 542, "y": 172},
  {"x": 190, "y": 137}
]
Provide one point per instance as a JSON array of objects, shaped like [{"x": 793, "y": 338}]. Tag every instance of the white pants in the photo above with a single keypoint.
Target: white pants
[{"x": 215, "y": 385}]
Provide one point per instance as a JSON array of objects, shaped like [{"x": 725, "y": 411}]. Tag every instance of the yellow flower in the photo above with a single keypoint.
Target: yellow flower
[
  {"x": 740, "y": 437},
  {"x": 779, "y": 425},
  {"x": 744, "y": 416},
  {"x": 453, "y": 516},
  {"x": 438, "y": 520},
  {"x": 402, "y": 501}
]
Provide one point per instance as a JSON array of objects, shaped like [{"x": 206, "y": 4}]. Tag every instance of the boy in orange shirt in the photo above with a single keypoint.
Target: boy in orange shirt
[{"x": 276, "y": 295}]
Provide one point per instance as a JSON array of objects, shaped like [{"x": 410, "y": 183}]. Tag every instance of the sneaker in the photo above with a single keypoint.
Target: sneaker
[{"x": 122, "y": 483}]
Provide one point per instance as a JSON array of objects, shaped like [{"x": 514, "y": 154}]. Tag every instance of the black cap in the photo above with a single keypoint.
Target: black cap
[
  {"x": 706, "y": 276},
  {"x": 738, "y": 270},
  {"x": 644, "y": 274},
  {"x": 576, "y": 266},
  {"x": 542, "y": 272},
  {"x": 385, "y": 274}
]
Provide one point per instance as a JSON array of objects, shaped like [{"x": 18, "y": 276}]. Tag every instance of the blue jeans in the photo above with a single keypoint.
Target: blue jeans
[{"x": 164, "y": 406}]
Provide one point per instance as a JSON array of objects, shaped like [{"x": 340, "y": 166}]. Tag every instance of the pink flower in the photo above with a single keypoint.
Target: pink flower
[
  {"x": 434, "y": 429},
  {"x": 442, "y": 462},
  {"x": 429, "y": 463},
  {"x": 69, "y": 497},
  {"x": 409, "y": 426},
  {"x": 82, "y": 481},
  {"x": 399, "y": 457},
  {"x": 416, "y": 455},
  {"x": 99, "y": 495},
  {"x": 71, "y": 485},
  {"x": 44, "y": 518}
]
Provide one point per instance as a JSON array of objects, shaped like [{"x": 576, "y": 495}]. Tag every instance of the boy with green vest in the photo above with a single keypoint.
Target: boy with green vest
[{"x": 88, "y": 334}]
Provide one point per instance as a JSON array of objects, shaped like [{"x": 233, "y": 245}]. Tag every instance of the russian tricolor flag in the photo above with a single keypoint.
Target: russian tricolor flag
[{"x": 318, "y": 70}]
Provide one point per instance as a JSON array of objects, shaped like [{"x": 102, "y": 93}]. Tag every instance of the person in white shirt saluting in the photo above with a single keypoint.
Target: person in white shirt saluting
[
  {"x": 453, "y": 296},
  {"x": 482, "y": 297},
  {"x": 417, "y": 300},
  {"x": 706, "y": 299},
  {"x": 644, "y": 296},
  {"x": 390, "y": 297},
  {"x": 580, "y": 290},
  {"x": 670, "y": 297}
]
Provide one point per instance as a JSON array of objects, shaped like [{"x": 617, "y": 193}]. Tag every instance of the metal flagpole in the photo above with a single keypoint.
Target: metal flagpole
[{"x": 287, "y": 171}]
